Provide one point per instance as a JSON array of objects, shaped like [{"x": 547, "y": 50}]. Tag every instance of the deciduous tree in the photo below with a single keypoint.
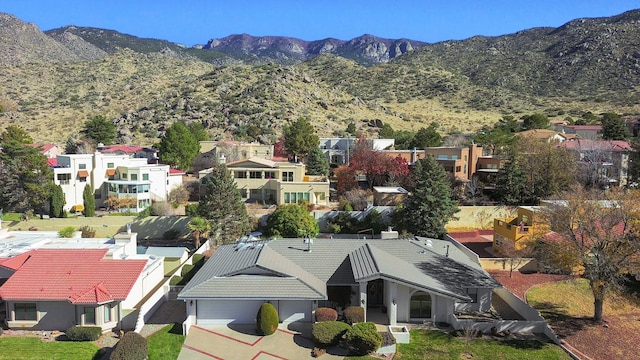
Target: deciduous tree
[
  {"x": 291, "y": 220},
  {"x": 430, "y": 206},
  {"x": 377, "y": 166},
  {"x": 222, "y": 205},
  {"x": 601, "y": 230}
]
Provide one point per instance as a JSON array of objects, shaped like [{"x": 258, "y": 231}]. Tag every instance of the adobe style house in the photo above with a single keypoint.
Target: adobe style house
[
  {"x": 234, "y": 151},
  {"x": 513, "y": 232},
  {"x": 601, "y": 162},
  {"x": 410, "y": 156},
  {"x": 459, "y": 162},
  {"x": 404, "y": 280},
  {"x": 53, "y": 289},
  {"x": 546, "y": 135},
  {"x": 108, "y": 175},
  {"x": 589, "y": 132},
  {"x": 278, "y": 182}
]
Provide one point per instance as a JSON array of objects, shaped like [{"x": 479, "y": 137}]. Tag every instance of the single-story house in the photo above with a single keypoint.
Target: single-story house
[
  {"x": 408, "y": 280},
  {"x": 53, "y": 289}
]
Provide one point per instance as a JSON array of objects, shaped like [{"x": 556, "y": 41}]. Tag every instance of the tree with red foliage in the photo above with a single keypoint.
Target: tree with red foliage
[
  {"x": 377, "y": 166},
  {"x": 279, "y": 149},
  {"x": 346, "y": 178}
]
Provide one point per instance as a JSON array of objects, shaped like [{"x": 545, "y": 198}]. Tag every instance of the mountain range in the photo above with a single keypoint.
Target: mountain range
[{"x": 248, "y": 87}]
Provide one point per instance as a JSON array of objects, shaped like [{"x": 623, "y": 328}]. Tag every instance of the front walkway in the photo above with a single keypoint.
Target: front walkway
[{"x": 290, "y": 342}]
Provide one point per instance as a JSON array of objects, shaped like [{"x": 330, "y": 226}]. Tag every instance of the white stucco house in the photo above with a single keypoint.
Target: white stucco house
[
  {"x": 408, "y": 280},
  {"x": 114, "y": 175}
]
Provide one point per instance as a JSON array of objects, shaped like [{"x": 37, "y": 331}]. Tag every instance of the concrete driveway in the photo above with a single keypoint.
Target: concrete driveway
[{"x": 230, "y": 342}]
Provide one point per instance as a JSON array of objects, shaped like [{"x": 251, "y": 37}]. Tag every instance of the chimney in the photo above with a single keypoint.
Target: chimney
[{"x": 389, "y": 234}]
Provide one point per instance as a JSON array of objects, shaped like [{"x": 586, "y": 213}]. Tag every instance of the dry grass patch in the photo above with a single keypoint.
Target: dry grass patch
[{"x": 568, "y": 307}]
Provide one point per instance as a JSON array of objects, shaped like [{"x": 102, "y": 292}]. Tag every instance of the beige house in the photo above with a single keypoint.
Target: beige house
[
  {"x": 279, "y": 182},
  {"x": 233, "y": 151}
]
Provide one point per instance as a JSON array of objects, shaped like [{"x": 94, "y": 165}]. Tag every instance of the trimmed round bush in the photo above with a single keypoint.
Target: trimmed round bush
[
  {"x": 354, "y": 314},
  {"x": 175, "y": 280},
  {"x": 132, "y": 346},
  {"x": 363, "y": 338},
  {"x": 328, "y": 333},
  {"x": 267, "y": 319},
  {"x": 326, "y": 314},
  {"x": 83, "y": 333}
]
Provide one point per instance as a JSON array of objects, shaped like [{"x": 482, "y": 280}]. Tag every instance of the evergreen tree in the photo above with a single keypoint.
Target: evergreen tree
[
  {"x": 178, "y": 147},
  {"x": 71, "y": 146},
  {"x": 100, "y": 130},
  {"x": 222, "y": 205},
  {"x": 427, "y": 137},
  {"x": 535, "y": 121},
  {"x": 56, "y": 202},
  {"x": 300, "y": 139},
  {"x": 198, "y": 131},
  {"x": 511, "y": 185},
  {"x": 291, "y": 220},
  {"x": 317, "y": 163},
  {"x": 430, "y": 205},
  {"x": 385, "y": 132},
  {"x": 89, "y": 202},
  {"x": 613, "y": 127}
]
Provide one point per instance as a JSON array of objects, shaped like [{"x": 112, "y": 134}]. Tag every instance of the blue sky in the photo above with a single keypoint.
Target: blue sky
[{"x": 196, "y": 21}]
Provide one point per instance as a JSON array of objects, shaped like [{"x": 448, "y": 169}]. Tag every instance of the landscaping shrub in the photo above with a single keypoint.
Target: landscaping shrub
[
  {"x": 328, "y": 333},
  {"x": 326, "y": 314},
  {"x": 132, "y": 346},
  {"x": 191, "y": 210},
  {"x": 267, "y": 319},
  {"x": 87, "y": 232},
  {"x": 175, "y": 280},
  {"x": 363, "y": 338},
  {"x": 187, "y": 272},
  {"x": 83, "y": 333},
  {"x": 354, "y": 314},
  {"x": 67, "y": 232},
  {"x": 198, "y": 260}
]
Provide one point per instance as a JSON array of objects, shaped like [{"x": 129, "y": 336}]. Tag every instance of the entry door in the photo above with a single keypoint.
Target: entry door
[{"x": 375, "y": 292}]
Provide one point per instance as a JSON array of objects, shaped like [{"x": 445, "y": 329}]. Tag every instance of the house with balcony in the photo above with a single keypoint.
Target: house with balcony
[
  {"x": 514, "y": 232},
  {"x": 458, "y": 162},
  {"x": 278, "y": 182},
  {"x": 133, "y": 151},
  {"x": 120, "y": 176}
]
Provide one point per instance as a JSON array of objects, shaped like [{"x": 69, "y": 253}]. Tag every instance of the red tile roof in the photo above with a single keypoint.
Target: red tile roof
[
  {"x": 80, "y": 276},
  {"x": 605, "y": 145},
  {"x": 52, "y": 161},
  {"x": 584, "y": 127},
  {"x": 45, "y": 147},
  {"x": 173, "y": 171},
  {"x": 14, "y": 263}
]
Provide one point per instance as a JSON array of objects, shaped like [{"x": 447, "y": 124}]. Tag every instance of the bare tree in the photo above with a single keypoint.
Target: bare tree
[{"x": 600, "y": 231}]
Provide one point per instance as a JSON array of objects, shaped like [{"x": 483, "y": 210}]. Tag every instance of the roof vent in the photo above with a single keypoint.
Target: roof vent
[{"x": 429, "y": 243}]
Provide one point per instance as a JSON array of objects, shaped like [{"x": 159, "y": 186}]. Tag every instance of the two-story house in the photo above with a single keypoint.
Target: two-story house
[
  {"x": 601, "y": 162},
  {"x": 113, "y": 175},
  {"x": 460, "y": 162},
  {"x": 338, "y": 150},
  {"x": 279, "y": 182},
  {"x": 514, "y": 232}
]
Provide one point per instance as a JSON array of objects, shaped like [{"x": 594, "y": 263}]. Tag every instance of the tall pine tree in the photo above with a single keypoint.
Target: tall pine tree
[
  {"x": 430, "y": 205},
  {"x": 178, "y": 147},
  {"x": 222, "y": 205},
  {"x": 317, "y": 163}
]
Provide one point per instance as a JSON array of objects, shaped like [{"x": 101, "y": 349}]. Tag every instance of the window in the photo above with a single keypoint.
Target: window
[
  {"x": 110, "y": 165},
  {"x": 134, "y": 177},
  {"x": 89, "y": 316},
  {"x": 473, "y": 294},
  {"x": 255, "y": 152},
  {"x": 287, "y": 198},
  {"x": 25, "y": 311},
  {"x": 287, "y": 176},
  {"x": 458, "y": 168},
  {"x": 240, "y": 174},
  {"x": 255, "y": 174},
  {"x": 82, "y": 179},
  {"x": 124, "y": 176},
  {"x": 107, "y": 313},
  {"x": 420, "y": 306},
  {"x": 63, "y": 179},
  {"x": 269, "y": 175},
  {"x": 243, "y": 193},
  {"x": 144, "y": 203},
  {"x": 145, "y": 177},
  {"x": 82, "y": 166}
]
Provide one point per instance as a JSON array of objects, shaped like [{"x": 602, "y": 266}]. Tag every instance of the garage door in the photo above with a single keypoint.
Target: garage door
[
  {"x": 294, "y": 310},
  {"x": 219, "y": 312}
]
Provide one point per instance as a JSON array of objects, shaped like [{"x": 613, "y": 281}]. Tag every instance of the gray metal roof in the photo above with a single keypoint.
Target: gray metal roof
[{"x": 272, "y": 266}]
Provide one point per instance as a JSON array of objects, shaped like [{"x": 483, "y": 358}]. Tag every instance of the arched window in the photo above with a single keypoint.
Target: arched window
[{"x": 420, "y": 306}]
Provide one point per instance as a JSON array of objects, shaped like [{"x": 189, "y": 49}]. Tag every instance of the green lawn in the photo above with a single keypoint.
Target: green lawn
[
  {"x": 434, "y": 344},
  {"x": 12, "y": 217},
  {"x": 166, "y": 343},
  {"x": 26, "y": 348}
]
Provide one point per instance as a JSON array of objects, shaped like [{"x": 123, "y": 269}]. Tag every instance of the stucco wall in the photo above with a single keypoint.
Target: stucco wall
[{"x": 52, "y": 315}]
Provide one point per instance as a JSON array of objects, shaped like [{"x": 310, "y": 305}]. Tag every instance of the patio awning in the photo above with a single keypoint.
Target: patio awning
[
  {"x": 111, "y": 172},
  {"x": 83, "y": 173}
]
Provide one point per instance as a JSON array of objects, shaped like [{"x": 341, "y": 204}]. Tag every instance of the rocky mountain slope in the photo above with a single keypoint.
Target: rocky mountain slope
[{"x": 53, "y": 83}]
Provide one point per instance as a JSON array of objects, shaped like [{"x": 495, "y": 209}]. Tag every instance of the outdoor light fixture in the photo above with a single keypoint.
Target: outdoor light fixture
[
  {"x": 190, "y": 302},
  {"x": 362, "y": 301},
  {"x": 393, "y": 301}
]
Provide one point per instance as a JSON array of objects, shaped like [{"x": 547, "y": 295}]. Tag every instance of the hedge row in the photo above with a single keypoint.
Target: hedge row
[{"x": 83, "y": 333}]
